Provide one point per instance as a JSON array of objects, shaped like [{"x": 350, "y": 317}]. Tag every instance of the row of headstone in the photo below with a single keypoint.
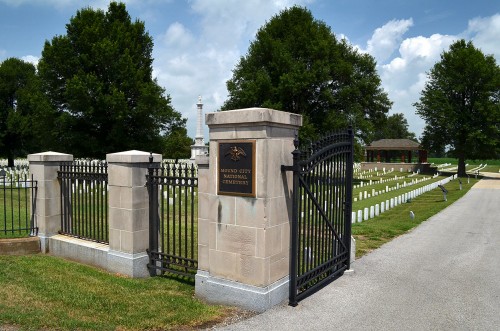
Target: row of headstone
[
  {"x": 373, "y": 211},
  {"x": 380, "y": 181},
  {"x": 365, "y": 195}
]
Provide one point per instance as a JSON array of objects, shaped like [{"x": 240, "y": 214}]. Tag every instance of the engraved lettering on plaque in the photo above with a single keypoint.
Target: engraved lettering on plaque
[{"x": 236, "y": 168}]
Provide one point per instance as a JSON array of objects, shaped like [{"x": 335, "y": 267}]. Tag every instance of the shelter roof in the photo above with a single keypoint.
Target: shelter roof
[{"x": 393, "y": 144}]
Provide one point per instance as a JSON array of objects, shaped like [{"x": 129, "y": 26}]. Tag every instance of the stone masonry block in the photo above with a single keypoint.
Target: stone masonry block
[
  {"x": 251, "y": 212},
  {"x": 225, "y": 209},
  {"x": 129, "y": 219},
  {"x": 237, "y": 239},
  {"x": 279, "y": 269},
  {"x": 203, "y": 257},
  {"x": 210, "y": 204},
  {"x": 269, "y": 241},
  {"x": 115, "y": 239},
  {"x": 278, "y": 210},
  {"x": 50, "y": 226},
  {"x": 223, "y": 264},
  {"x": 134, "y": 242},
  {"x": 203, "y": 231},
  {"x": 253, "y": 270}
]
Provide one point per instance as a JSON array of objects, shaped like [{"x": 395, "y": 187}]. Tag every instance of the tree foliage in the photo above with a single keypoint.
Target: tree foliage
[
  {"x": 22, "y": 108},
  {"x": 460, "y": 104},
  {"x": 394, "y": 127},
  {"x": 99, "y": 80},
  {"x": 297, "y": 65}
]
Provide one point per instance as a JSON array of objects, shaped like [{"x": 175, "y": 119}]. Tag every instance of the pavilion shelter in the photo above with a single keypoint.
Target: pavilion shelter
[{"x": 397, "y": 153}]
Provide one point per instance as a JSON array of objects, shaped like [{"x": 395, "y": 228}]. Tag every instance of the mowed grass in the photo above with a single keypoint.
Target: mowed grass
[
  {"x": 492, "y": 165},
  {"x": 375, "y": 232},
  {"x": 49, "y": 293}
]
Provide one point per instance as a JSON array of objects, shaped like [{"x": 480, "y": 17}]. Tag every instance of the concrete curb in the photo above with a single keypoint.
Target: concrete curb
[{"x": 20, "y": 246}]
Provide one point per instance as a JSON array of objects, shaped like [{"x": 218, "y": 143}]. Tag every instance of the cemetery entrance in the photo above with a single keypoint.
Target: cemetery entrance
[
  {"x": 321, "y": 214},
  {"x": 173, "y": 218}
]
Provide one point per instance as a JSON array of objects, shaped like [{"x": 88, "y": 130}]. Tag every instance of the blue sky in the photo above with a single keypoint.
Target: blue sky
[{"x": 198, "y": 42}]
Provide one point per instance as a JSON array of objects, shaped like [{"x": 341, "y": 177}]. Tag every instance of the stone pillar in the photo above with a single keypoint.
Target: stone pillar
[
  {"x": 44, "y": 167},
  {"x": 243, "y": 242},
  {"x": 129, "y": 212}
]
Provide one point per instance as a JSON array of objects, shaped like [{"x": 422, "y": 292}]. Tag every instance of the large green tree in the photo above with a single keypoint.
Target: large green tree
[
  {"x": 460, "y": 104},
  {"x": 296, "y": 64},
  {"x": 22, "y": 106},
  {"x": 99, "y": 80},
  {"x": 394, "y": 127}
]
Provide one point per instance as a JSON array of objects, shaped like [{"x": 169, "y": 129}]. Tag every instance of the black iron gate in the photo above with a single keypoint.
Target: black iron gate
[
  {"x": 321, "y": 216},
  {"x": 173, "y": 219}
]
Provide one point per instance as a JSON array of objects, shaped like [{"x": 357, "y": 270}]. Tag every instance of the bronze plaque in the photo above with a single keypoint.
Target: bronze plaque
[{"x": 236, "y": 168}]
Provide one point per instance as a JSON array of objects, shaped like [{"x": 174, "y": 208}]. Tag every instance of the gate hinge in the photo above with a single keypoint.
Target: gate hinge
[{"x": 286, "y": 168}]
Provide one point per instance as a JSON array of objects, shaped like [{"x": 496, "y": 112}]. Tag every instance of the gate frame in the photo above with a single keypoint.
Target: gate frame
[{"x": 294, "y": 297}]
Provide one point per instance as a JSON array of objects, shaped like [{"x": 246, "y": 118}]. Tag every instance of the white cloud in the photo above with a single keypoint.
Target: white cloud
[
  {"x": 177, "y": 36},
  {"x": 485, "y": 33},
  {"x": 189, "y": 64},
  {"x": 404, "y": 76},
  {"x": 385, "y": 40},
  {"x": 31, "y": 59},
  {"x": 77, "y": 4}
]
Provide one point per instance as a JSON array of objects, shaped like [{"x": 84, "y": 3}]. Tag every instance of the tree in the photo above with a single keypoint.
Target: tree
[
  {"x": 296, "y": 64},
  {"x": 177, "y": 144},
  {"x": 99, "y": 80},
  {"x": 21, "y": 107},
  {"x": 394, "y": 127},
  {"x": 460, "y": 104}
]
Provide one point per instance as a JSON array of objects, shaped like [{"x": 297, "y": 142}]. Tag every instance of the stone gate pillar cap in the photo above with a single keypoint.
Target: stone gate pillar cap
[
  {"x": 132, "y": 156},
  {"x": 252, "y": 116},
  {"x": 50, "y": 157}
]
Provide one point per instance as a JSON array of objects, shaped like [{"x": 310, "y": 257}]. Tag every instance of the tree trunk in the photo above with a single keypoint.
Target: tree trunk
[
  {"x": 461, "y": 166},
  {"x": 10, "y": 160}
]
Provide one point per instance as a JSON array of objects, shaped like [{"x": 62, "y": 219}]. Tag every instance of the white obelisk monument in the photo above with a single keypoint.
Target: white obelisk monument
[{"x": 199, "y": 147}]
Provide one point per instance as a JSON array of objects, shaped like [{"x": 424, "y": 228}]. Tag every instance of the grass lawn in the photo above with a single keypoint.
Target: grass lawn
[
  {"x": 377, "y": 231},
  {"x": 492, "y": 165},
  {"x": 45, "y": 292}
]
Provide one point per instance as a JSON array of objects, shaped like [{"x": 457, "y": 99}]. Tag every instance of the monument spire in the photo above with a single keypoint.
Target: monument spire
[
  {"x": 199, "y": 123},
  {"x": 199, "y": 147}
]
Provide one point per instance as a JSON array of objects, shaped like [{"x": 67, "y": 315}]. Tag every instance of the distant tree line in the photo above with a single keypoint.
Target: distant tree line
[{"x": 91, "y": 94}]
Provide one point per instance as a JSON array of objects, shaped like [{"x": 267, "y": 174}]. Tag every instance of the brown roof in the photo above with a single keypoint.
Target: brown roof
[{"x": 393, "y": 144}]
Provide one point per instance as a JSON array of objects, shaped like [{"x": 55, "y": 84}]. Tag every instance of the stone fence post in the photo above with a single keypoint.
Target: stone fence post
[
  {"x": 44, "y": 167},
  {"x": 244, "y": 208},
  {"x": 129, "y": 212}
]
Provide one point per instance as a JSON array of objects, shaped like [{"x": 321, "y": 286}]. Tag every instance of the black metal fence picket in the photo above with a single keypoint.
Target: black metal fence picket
[
  {"x": 17, "y": 204},
  {"x": 173, "y": 219},
  {"x": 84, "y": 200}
]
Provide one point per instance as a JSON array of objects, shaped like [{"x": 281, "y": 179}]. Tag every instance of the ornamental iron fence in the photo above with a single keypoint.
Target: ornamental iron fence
[
  {"x": 84, "y": 200},
  {"x": 18, "y": 193}
]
